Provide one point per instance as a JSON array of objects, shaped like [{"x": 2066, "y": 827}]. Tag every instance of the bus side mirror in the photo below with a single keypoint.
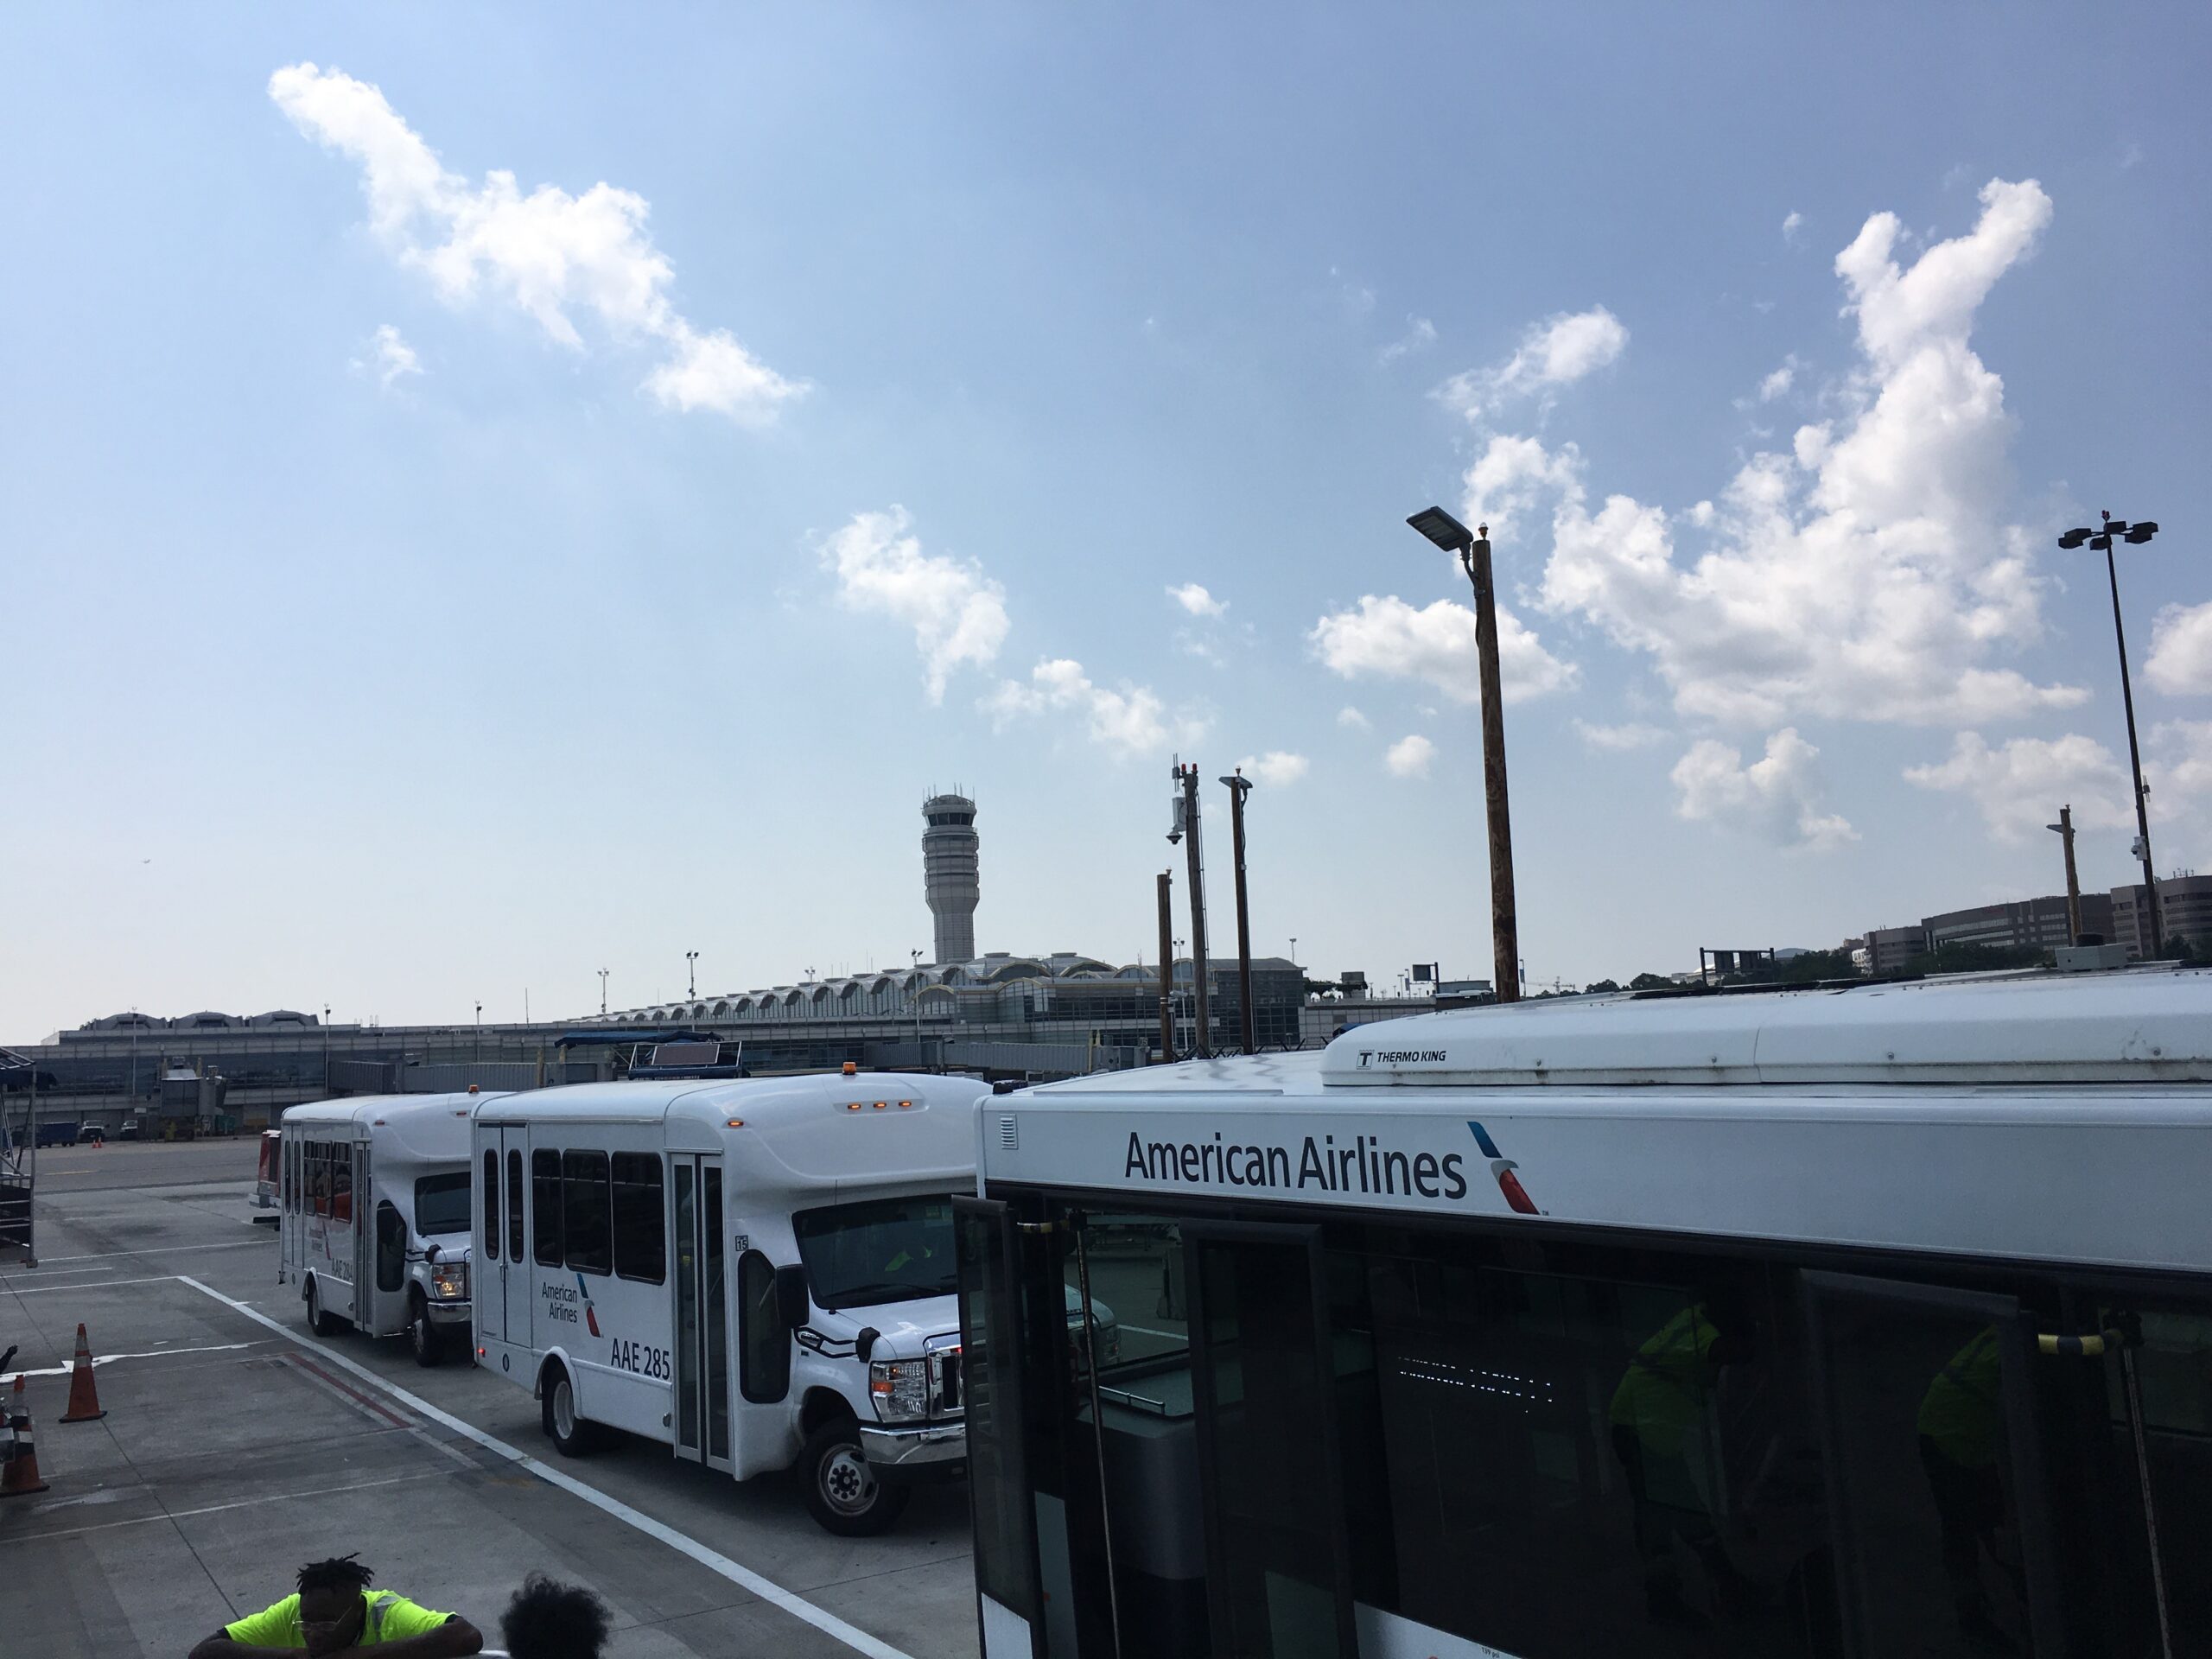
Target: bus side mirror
[
  {"x": 793, "y": 1305},
  {"x": 431, "y": 1255}
]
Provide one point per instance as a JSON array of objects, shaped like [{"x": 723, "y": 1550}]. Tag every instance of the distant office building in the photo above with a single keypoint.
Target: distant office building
[
  {"x": 1888, "y": 949},
  {"x": 2185, "y": 912},
  {"x": 2024, "y": 925},
  {"x": 951, "y": 868}
]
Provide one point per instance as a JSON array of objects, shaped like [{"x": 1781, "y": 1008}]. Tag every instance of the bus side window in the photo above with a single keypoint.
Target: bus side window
[
  {"x": 545, "y": 1207},
  {"x": 585, "y": 1211},
  {"x": 341, "y": 1184},
  {"x": 640, "y": 1218},
  {"x": 764, "y": 1343},
  {"x": 319, "y": 1177},
  {"x": 514, "y": 1206},
  {"x": 391, "y": 1247},
  {"x": 492, "y": 1203}
]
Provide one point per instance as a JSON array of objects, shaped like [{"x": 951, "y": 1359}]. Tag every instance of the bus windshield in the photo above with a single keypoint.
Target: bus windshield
[
  {"x": 442, "y": 1204},
  {"x": 879, "y": 1250}
]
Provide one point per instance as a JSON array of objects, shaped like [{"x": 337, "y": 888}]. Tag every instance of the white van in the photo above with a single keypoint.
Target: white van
[
  {"x": 757, "y": 1274},
  {"x": 374, "y": 1228}
]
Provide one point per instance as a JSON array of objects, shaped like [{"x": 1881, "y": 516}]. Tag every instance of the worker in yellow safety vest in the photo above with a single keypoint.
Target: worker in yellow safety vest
[
  {"x": 1658, "y": 1419},
  {"x": 1961, "y": 1434},
  {"x": 334, "y": 1610}
]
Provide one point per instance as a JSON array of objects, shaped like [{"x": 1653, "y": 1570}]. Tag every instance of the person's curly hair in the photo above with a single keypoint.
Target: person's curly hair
[
  {"x": 550, "y": 1620},
  {"x": 339, "y": 1572}
]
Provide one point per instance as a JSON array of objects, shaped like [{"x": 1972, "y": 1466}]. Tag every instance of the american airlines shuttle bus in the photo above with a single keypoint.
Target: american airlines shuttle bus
[
  {"x": 1866, "y": 1322},
  {"x": 757, "y": 1274},
  {"x": 373, "y": 1220}
]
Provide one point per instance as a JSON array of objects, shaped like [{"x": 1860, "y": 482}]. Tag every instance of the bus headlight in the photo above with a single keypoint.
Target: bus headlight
[
  {"x": 450, "y": 1282},
  {"x": 900, "y": 1389}
]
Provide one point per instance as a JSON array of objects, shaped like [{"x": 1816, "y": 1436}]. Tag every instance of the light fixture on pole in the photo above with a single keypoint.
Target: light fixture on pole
[
  {"x": 2100, "y": 540},
  {"x": 1473, "y": 548}
]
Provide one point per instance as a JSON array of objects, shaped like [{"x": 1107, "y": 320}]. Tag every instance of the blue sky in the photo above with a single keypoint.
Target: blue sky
[{"x": 495, "y": 493}]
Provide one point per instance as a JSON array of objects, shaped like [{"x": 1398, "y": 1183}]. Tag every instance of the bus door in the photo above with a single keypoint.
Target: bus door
[
  {"x": 1936, "y": 1490},
  {"x": 700, "y": 1315},
  {"x": 518, "y": 1283},
  {"x": 363, "y": 1242},
  {"x": 1263, "y": 1373},
  {"x": 488, "y": 1265},
  {"x": 993, "y": 1341}
]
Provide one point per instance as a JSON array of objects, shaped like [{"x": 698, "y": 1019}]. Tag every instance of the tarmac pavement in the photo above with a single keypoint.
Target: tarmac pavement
[{"x": 231, "y": 1452}]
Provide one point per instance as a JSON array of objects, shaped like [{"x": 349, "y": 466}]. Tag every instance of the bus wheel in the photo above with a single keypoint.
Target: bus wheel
[
  {"x": 323, "y": 1324},
  {"x": 570, "y": 1434},
  {"x": 842, "y": 1492},
  {"x": 425, "y": 1338}
]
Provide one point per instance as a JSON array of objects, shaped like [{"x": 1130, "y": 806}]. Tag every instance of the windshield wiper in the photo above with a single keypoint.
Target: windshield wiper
[{"x": 852, "y": 1291}]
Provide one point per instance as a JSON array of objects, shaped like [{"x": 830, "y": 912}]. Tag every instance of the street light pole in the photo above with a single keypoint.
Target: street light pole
[
  {"x": 1448, "y": 533},
  {"x": 1239, "y": 787},
  {"x": 1187, "y": 825},
  {"x": 1165, "y": 884},
  {"x": 691, "y": 965},
  {"x": 2100, "y": 541},
  {"x": 2065, "y": 827},
  {"x": 602, "y": 993}
]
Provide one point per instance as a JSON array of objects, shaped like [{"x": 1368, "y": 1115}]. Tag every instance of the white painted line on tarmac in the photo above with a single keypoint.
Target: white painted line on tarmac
[
  {"x": 90, "y": 1284},
  {"x": 99, "y": 1360},
  {"x": 714, "y": 1561},
  {"x": 212, "y": 1509},
  {"x": 166, "y": 1249}
]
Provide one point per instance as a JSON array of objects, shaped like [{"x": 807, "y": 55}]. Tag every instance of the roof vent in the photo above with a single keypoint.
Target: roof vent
[{"x": 1009, "y": 1134}]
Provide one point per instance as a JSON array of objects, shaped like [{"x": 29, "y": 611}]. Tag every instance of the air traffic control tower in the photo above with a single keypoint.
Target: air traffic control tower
[{"x": 950, "y": 866}]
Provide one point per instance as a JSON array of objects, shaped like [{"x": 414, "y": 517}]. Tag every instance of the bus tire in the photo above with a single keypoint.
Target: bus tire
[
  {"x": 571, "y": 1435},
  {"x": 427, "y": 1342},
  {"x": 323, "y": 1324},
  {"x": 843, "y": 1493}
]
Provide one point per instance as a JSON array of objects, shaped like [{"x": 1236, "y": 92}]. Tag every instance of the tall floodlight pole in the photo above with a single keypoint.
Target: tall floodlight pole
[
  {"x": 2064, "y": 829},
  {"x": 1166, "y": 884},
  {"x": 691, "y": 962},
  {"x": 1448, "y": 533},
  {"x": 602, "y": 993},
  {"x": 1186, "y": 827},
  {"x": 2100, "y": 541},
  {"x": 1239, "y": 787}
]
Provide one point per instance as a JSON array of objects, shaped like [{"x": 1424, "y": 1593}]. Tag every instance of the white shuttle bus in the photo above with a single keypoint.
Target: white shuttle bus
[
  {"x": 1863, "y": 1322},
  {"x": 757, "y": 1274},
  {"x": 374, "y": 1215}
]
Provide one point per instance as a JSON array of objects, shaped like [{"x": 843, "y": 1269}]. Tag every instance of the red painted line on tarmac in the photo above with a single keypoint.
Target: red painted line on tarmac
[{"x": 355, "y": 1394}]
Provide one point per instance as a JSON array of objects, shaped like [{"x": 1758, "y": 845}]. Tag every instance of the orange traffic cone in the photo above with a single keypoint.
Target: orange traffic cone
[
  {"x": 84, "y": 1394},
  {"x": 19, "y": 1476}
]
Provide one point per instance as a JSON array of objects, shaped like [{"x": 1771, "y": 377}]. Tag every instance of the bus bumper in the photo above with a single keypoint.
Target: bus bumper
[
  {"x": 449, "y": 1312},
  {"x": 930, "y": 1451}
]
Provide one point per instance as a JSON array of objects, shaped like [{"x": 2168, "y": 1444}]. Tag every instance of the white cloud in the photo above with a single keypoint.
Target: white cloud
[
  {"x": 958, "y": 614},
  {"x": 1276, "y": 768},
  {"x": 1867, "y": 573},
  {"x": 1420, "y": 336},
  {"x": 1776, "y": 383},
  {"x": 1389, "y": 639},
  {"x": 2020, "y": 785},
  {"x": 1777, "y": 798},
  {"x": 1409, "y": 757},
  {"x": 1557, "y": 351},
  {"x": 1512, "y": 476},
  {"x": 394, "y": 357},
  {"x": 1619, "y": 739},
  {"x": 1132, "y": 720},
  {"x": 1791, "y": 225},
  {"x": 1197, "y": 601},
  {"x": 2180, "y": 664},
  {"x": 549, "y": 254},
  {"x": 1351, "y": 720}
]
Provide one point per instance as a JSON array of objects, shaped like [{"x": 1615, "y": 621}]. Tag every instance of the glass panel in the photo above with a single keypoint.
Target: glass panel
[
  {"x": 586, "y": 1212},
  {"x": 2173, "y": 1367},
  {"x": 640, "y": 1223},
  {"x": 1918, "y": 1403},
  {"x": 1137, "y": 1304},
  {"x": 764, "y": 1364},
  {"x": 341, "y": 1184},
  {"x": 441, "y": 1204},
  {"x": 492, "y": 1204},
  {"x": 687, "y": 1308},
  {"x": 514, "y": 1206},
  {"x": 716, "y": 1336},
  {"x": 879, "y": 1250},
  {"x": 1274, "y": 1579},
  {"x": 550, "y": 1240},
  {"x": 391, "y": 1247},
  {"x": 998, "y": 1492}
]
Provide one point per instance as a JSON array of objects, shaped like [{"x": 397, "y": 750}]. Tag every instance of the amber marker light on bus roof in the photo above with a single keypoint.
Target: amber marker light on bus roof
[
  {"x": 880, "y": 1104},
  {"x": 904, "y": 1104},
  {"x": 852, "y": 1105},
  {"x": 737, "y": 1123},
  {"x": 852, "y": 1068}
]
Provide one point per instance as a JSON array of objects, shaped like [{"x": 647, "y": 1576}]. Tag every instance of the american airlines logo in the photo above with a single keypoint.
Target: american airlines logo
[{"x": 1364, "y": 1164}]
